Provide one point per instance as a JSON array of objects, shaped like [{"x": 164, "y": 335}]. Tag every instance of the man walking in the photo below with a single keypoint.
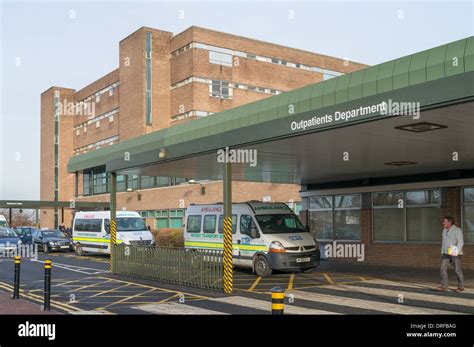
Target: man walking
[{"x": 451, "y": 252}]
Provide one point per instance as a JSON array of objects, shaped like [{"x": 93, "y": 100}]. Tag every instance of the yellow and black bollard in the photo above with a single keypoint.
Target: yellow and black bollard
[
  {"x": 16, "y": 279},
  {"x": 278, "y": 299},
  {"x": 47, "y": 285}
]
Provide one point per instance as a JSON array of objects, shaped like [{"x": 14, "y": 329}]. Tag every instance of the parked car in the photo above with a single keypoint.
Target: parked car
[
  {"x": 9, "y": 240},
  {"x": 51, "y": 240},
  {"x": 25, "y": 234}
]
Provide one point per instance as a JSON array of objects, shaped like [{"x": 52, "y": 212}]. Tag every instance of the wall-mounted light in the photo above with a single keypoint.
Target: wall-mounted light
[
  {"x": 139, "y": 195},
  {"x": 203, "y": 189},
  {"x": 162, "y": 154}
]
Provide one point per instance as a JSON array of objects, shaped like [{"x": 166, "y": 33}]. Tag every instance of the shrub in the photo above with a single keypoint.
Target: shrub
[{"x": 168, "y": 237}]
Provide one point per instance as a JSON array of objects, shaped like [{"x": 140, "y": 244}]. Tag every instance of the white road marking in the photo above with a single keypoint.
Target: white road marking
[
  {"x": 366, "y": 304},
  {"x": 75, "y": 268},
  {"x": 266, "y": 305},
  {"x": 175, "y": 308},
  {"x": 406, "y": 294}
]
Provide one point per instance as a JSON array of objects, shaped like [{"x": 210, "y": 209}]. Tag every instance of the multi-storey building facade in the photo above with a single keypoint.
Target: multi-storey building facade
[{"x": 163, "y": 80}]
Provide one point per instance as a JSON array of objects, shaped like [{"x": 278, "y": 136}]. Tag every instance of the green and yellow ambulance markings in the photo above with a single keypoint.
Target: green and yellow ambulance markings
[{"x": 219, "y": 245}]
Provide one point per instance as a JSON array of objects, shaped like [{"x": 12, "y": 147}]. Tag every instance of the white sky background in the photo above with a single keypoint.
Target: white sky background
[{"x": 53, "y": 47}]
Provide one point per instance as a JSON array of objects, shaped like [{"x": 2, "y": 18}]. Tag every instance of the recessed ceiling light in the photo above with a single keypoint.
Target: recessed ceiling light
[
  {"x": 400, "y": 163},
  {"x": 421, "y": 127}
]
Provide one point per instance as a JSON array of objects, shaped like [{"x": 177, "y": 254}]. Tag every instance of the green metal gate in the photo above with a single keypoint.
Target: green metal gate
[{"x": 189, "y": 267}]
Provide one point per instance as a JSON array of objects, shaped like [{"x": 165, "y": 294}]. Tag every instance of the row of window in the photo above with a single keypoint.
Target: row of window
[
  {"x": 110, "y": 90},
  {"x": 212, "y": 223},
  {"x": 96, "y": 145},
  {"x": 192, "y": 113},
  {"x": 224, "y": 56},
  {"x": 224, "y": 88},
  {"x": 96, "y": 120},
  {"x": 96, "y": 181},
  {"x": 400, "y": 216}
]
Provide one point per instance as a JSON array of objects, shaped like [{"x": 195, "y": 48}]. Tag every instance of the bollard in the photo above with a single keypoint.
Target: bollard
[
  {"x": 47, "y": 285},
  {"x": 278, "y": 297},
  {"x": 16, "y": 280}
]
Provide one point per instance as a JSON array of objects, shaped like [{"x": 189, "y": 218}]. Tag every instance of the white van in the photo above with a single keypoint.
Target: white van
[
  {"x": 91, "y": 231},
  {"x": 266, "y": 236}
]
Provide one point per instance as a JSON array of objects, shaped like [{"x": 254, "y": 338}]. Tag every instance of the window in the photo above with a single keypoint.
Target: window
[
  {"x": 132, "y": 181},
  {"x": 210, "y": 224},
  {"x": 468, "y": 214},
  {"x": 147, "y": 181},
  {"x": 407, "y": 216},
  {"x": 148, "y": 79},
  {"x": 163, "y": 181},
  {"x": 220, "y": 58},
  {"x": 335, "y": 217},
  {"x": 220, "y": 228},
  {"x": 246, "y": 224},
  {"x": 194, "y": 224},
  {"x": 121, "y": 183},
  {"x": 90, "y": 225},
  {"x": 87, "y": 183},
  {"x": 220, "y": 89},
  {"x": 347, "y": 217},
  {"x": 100, "y": 181}
]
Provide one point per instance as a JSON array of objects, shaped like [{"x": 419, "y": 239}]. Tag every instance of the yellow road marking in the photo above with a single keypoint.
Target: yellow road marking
[
  {"x": 167, "y": 299},
  {"x": 108, "y": 291},
  {"x": 127, "y": 298},
  {"x": 252, "y": 287},
  {"x": 40, "y": 299},
  {"x": 160, "y": 289},
  {"x": 290, "y": 282},
  {"x": 329, "y": 279}
]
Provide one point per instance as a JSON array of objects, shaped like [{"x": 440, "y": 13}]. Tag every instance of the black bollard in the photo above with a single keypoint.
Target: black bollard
[
  {"x": 47, "y": 285},
  {"x": 16, "y": 279}
]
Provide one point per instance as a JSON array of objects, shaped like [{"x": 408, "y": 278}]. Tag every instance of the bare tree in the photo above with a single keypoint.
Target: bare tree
[{"x": 19, "y": 217}]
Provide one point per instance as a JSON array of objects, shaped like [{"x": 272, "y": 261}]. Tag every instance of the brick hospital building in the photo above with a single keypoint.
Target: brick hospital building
[{"x": 164, "y": 80}]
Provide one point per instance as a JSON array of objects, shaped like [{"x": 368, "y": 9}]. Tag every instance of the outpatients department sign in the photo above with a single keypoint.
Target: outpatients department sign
[{"x": 390, "y": 108}]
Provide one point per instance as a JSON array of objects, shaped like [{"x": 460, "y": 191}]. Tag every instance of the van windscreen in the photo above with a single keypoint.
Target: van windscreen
[
  {"x": 280, "y": 224},
  {"x": 131, "y": 224}
]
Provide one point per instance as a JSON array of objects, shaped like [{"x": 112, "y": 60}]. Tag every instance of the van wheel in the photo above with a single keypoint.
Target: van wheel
[
  {"x": 78, "y": 250},
  {"x": 261, "y": 266}
]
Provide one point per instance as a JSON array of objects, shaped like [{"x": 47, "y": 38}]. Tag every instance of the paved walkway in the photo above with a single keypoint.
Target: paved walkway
[
  {"x": 396, "y": 273},
  {"x": 20, "y": 306}
]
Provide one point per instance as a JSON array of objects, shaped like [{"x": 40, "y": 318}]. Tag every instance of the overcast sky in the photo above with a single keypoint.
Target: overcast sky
[{"x": 70, "y": 44}]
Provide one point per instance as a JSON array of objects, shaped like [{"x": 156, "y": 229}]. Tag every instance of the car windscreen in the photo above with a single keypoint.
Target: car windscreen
[
  {"x": 280, "y": 224},
  {"x": 7, "y": 233},
  {"x": 52, "y": 233},
  {"x": 131, "y": 224}
]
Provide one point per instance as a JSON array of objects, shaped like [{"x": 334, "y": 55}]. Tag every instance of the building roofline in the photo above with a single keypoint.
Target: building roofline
[
  {"x": 268, "y": 43},
  {"x": 101, "y": 77},
  {"x": 144, "y": 28}
]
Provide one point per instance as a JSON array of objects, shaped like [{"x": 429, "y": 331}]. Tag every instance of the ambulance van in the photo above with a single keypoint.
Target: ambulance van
[
  {"x": 266, "y": 236},
  {"x": 91, "y": 231}
]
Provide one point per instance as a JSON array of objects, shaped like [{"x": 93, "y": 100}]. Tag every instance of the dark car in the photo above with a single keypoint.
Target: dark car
[
  {"x": 25, "y": 234},
  {"x": 9, "y": 240},
  {"x": 52, "y": 240}
]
